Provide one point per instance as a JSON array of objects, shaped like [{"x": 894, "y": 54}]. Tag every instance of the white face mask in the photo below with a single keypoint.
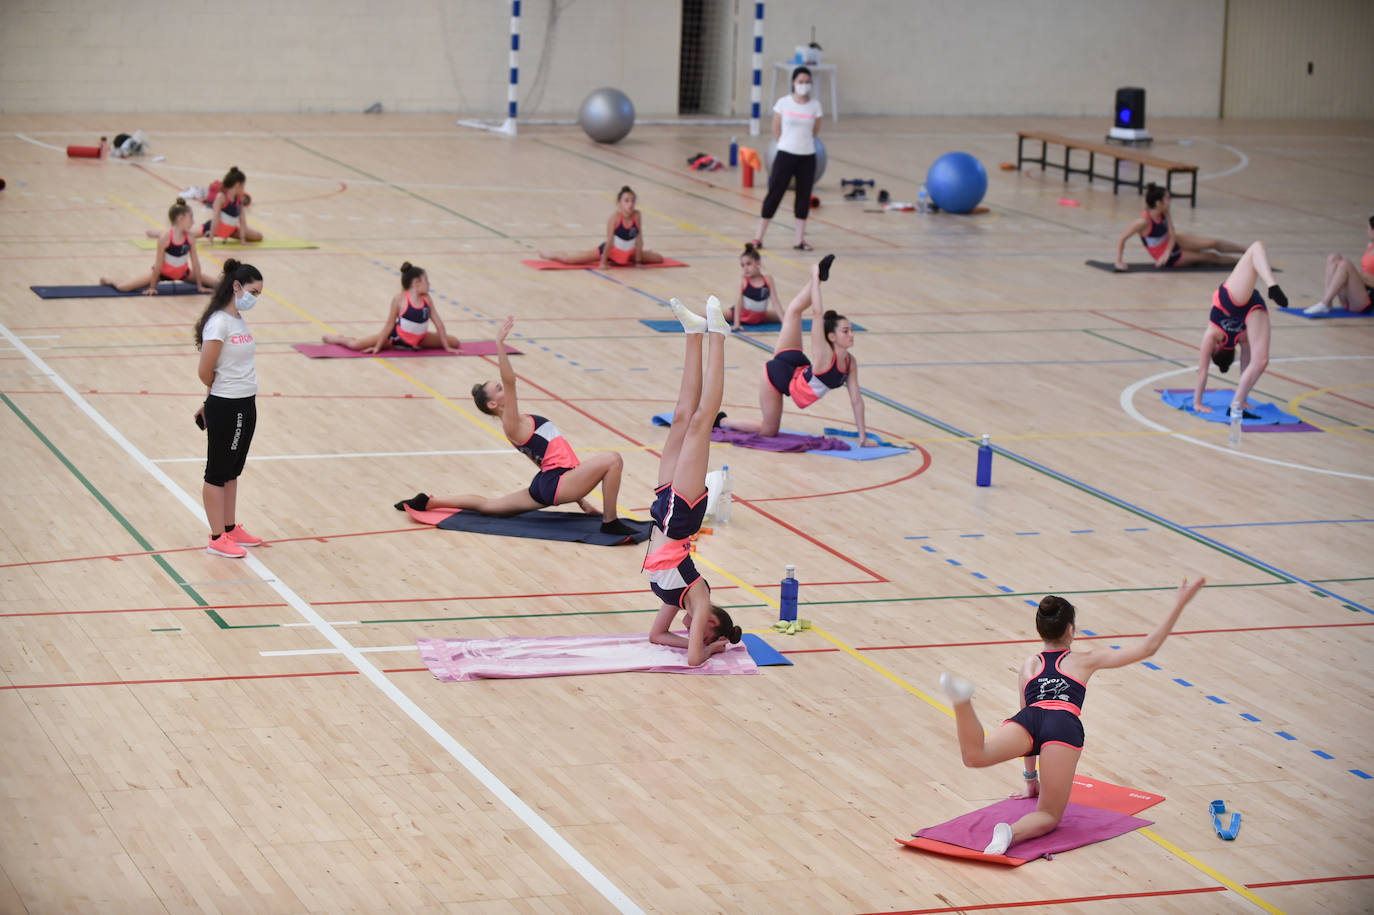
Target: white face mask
[
  {"x": 802, "y": 88},
  {"x": 245, "y": 301}
]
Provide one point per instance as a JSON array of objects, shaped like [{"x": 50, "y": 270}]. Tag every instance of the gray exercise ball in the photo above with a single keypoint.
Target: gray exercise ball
[
  {"x": 606, "y": 115},
  {"x": 820, "y": 158}
]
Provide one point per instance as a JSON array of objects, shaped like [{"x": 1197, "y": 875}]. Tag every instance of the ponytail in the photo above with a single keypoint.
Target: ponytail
[{"x": 234, "y": 272}]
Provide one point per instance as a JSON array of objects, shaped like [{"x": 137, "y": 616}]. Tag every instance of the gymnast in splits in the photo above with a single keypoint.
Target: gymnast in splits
[
  {"x": 789, "y": 372},
  {"x": 1166, "y": 247},
  {"x": 1053, "y": 684},
  {"x": 561, "y": 477},
  {"x": 680, "y": 496},
  {"x": 407, "y": 322}
]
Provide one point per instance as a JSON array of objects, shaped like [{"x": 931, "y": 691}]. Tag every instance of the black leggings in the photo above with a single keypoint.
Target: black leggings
[
  {"x": 786, "y": 167},
  {"x": 229, "y": 425}
]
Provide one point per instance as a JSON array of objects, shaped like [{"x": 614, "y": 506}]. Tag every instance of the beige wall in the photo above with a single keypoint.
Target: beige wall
[
  {"x": 332, "y": 55},
  {"x": 1269, "y": 44},
  {"x": 990, "y": 57}
]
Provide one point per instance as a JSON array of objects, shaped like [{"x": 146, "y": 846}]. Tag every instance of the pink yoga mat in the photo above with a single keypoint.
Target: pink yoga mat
[
  {"x": 452, "y": 660},
  {"x": 335, "y": 351},
  {"x": 555, "y": 265}
]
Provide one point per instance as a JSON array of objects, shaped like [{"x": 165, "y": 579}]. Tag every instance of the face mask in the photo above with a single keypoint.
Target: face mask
[
  {"x": 245, "y": 301},
  {"x": 802, "y": 88}
]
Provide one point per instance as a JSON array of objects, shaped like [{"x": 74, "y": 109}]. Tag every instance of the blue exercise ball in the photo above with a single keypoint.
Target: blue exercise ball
[
  {"x": 957, "y": 182},
  {"x": 606, "y": 115},
  {"x": 820, "y": 160}
]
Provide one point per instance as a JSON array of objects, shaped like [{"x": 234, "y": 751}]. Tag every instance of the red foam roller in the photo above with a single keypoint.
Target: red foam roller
[{"x": 83, "y": 152}]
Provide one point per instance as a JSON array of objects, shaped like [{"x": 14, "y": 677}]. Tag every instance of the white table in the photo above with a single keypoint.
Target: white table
[{"x": 787, "y": 66}]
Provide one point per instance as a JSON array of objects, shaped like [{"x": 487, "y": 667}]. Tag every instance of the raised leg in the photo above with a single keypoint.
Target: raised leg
[
  {"x": 1253, "y": 264},
  {"x": 689, "y": 476}
]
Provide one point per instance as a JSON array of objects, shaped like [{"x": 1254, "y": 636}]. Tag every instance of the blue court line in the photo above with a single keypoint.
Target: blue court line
[
  {"x": 1005, "y": 589},
  {"x": 1181, "y": 682},
  {"x": 920, "y": 537},
  {"x": 1087, "y": 632},
  {"x": 1084, "y": 531},
  {"x": 1285, "y": 735},
  {"x": 1248, "y": 717},
  {"x": 1114, "y": 500},
  {"x": 928, "y": 549},
  {"x": 1028, "y": 533},
  {"x": 954, "y": 562},
  {"x": 1217, "y": 699},
  {"x": 972, "y": 535},
  {"x": 1361, "y": 774},
  {"x": 1032, "y": 602},
  {"x": 1322, "y": 754},
  {"x": 1198, "y": 527},
  {"x": 978, "y": 575},
  {"x": 1132, "y": 530},
  {"x": 1149, "y": 665}
]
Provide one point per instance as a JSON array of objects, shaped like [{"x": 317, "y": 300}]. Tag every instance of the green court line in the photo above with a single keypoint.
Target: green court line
[
  {"x": 394, "y": 186},
  {"x": 172, "y": 629}
]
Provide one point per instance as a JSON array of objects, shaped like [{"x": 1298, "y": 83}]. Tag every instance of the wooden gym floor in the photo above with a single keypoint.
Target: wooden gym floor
[{"x": 187, "y": 733}]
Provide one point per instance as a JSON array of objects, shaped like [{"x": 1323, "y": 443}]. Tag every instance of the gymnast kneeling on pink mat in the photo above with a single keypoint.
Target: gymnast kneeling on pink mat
[
  {"x": 680, "y": 496},
  {"x": 1054, "y": 683},
  {"x": 407, "y": 323}
]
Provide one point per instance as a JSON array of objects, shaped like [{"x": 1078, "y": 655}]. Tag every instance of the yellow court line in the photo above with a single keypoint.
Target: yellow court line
[
  {"x": 1338, "y": 430},
  {"x": 1210, "y": 872}
]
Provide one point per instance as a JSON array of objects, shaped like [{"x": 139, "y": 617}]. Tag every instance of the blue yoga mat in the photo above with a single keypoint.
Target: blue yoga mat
[
  {"x": 1333, "y": 313},
  {"x": 671, "y": 326},
  {"x": 1220, "y": 401},
  {"x": 106, "y": 292},
  {"x": 764, "y": 655},
  {"x": 855, "y": 453}
]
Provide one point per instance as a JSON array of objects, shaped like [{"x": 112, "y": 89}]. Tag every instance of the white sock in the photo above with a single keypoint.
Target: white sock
[
  {"x": 1001, "y": 840},
  {"x": 691, "y": 322},
  {"x": 715, "y": 317}
]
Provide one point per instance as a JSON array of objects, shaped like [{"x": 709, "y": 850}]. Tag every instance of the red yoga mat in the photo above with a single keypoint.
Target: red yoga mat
[
  {"x": 555, "y": 265},
  {"x": 335, "y": 351}
]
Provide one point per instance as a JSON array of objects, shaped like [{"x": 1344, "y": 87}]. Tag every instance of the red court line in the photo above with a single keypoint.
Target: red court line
[
  {"x": 119, "y": 557},
  {"x": 1024, "y": 903},
  {"x": 925, "y": 465},
  {"x": 320, "y": 673},
  {"x": 877, "y": 579},
  {"x": 1268, "y": 371}
]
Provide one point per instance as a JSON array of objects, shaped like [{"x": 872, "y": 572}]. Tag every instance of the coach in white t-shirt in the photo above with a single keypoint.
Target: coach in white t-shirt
[
  {"x": 796, "y": 121},
  {"x": 230, "y": 412}
]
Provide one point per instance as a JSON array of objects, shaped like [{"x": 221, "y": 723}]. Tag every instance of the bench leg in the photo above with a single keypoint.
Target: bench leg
[
  {"x": 1092, "y": 166},
  {"x": 1116, "y": 176},
  {"x": 1140, "y": 179},
  {"x": 1043, "y": 147},
  {"x": 1193, "y": 202},
  {"x": 1068, "y": 150}
]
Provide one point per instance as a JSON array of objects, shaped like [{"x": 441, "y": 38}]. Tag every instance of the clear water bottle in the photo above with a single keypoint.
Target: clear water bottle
[
  {"x": 984, "y": 477},
  {"x": 923, "y": 200},
  {"x": 787, "y": 603},
  {"x": 726, "y": 496},
  {"x": 1236, "y": 415}
]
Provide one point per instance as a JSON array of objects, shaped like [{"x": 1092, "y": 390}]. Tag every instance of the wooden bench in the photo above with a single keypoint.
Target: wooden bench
[{"x": 1117, "y": 154}]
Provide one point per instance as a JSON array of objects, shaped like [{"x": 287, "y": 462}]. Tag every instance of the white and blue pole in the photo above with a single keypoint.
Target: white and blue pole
[
  {"x": 513, "y": 89},
  {"x": 756, "y": 89}
]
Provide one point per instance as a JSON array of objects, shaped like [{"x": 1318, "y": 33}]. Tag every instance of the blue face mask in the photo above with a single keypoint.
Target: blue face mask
[{"x": 245, "y": 301}]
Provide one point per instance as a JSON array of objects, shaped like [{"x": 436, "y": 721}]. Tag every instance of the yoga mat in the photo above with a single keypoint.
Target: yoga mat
[
  {"x": 671, "y": 326},
  {"x": 267, "y": 244},
  {"x": 456, "y": 660},
  {"x": 764, "y": 655},
  {"x": 869, "y": 453},
  {"x": 1333, "y": 313},
  {"x": 610, "y": 265},
  {"x": 106, "y": 292},
  {"x": 335, "y": 351},
  {"x": 1220, "y": 402},
  {"x": 544, "y": 524},
  {"x": 1151, "y": 268}
]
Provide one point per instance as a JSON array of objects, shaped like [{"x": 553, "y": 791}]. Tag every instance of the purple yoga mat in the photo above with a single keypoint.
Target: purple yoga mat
[
  {"x": 783, "y": 441},
  {"x": 335, "y": 351},
  {"x": 1080, "y": 826}
]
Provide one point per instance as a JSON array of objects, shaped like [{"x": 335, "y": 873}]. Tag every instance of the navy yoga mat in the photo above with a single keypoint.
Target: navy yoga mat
[
  {"x": 566, "y": 527},
  {"x": 106, "y": 292},
  {"x": 671, "y": 326}
]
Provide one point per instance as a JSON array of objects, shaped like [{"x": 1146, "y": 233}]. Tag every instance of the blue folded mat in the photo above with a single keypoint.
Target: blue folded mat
[
  {"x": 671, "y": 326},
  {"x": 1220, "y": 401},
  {"x": 856, "y": 453},
  {"x": 106, "y": 292},
  {"x": 764, "y": 655},
  {"x": 568, "y": 527},
  {"x": 1333, "y": 313}
]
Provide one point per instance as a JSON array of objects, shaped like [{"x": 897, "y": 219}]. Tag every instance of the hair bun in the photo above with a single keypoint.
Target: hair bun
[
  {"x": 405, "y": 266},
  {"x": 831, "y": 315},
  {"x": 230, "y": 265},
  {"x": 735, "y": 635},
  {"x": 181, "y": 202}
]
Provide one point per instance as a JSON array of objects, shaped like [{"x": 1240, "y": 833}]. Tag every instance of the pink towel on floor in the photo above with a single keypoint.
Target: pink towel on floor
[
  {"x": 335, "y": 351},
  {"x": 782, "y": 442},
  {"x": 452, "y": 660}
]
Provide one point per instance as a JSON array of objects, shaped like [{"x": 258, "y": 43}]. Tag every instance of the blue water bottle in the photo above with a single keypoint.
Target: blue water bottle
[
  {"x": 787, "y": 605},
  {"x": 985, "y": 462},
  {"x": 734, "y": 152}
]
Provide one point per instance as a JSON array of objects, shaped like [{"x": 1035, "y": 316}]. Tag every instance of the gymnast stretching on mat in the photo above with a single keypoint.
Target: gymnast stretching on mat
[
  {"x": 624, "y": 244},
  {"x": 229, "y": 210},
  {"x": 1349, "y": 282},
  {"x": 1054, "y": 684},
  {"x": 754, "y": 305},
  {"x": 680, "y": 496},
  {"x": 561, "y": 478},
  {"x": 1166, "y": 247},
  {"x": 176, "y": 260},
  {"x": 1239, "y": 319},
  {"x": 790, "y": 372},
  {"x": 407, "y": 323}
]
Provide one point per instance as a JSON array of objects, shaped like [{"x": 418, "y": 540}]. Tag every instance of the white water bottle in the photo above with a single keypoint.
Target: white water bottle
[
  {"x": 922, "y": 200},
  {"x": 1237, "y": 414},
  {"x": 726, "y": 497}
]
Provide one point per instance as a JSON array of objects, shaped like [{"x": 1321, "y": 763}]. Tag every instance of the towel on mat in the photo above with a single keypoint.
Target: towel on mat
[
  {"x": 454, "y": 660},
  {"x": 1266, "y": 414},
  {"x": 782, "y": 442}
]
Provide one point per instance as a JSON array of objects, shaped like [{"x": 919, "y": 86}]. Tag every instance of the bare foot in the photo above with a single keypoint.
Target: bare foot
[
  {"x": 106, "y": 281},
  {"x": 333, "y": 338}
]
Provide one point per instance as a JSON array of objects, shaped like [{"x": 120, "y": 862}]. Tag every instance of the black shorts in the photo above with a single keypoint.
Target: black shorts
[
  {"x": 229, "y": 425},
  {"x": 1174, "y": 255},
  {"x": 678, "y": 518},
  {"x": 1049, "y": 725},
  {"x": 782, "y": 367},
  {"x": 544, "y": 486}
]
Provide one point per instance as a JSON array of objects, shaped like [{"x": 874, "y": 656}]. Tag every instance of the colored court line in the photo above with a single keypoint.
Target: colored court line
[{"x": 104, "y": 502}]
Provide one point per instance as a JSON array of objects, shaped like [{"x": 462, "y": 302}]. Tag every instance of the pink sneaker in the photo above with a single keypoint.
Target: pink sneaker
[
  {"x": 223, "y": 546},
  {"x": 242, "y": 537}
]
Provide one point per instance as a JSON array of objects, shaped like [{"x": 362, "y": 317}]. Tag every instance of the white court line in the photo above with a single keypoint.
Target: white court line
[
  {"x": 40, "y": 143},
  {"x": 354, "y": 454},
  {"x": 613, "y": 894},
  {"x": 1128, "y": 407},
  {"x": 1244, "y": 161}
]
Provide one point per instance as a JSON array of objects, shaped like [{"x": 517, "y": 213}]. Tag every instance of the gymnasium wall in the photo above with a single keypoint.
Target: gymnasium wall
[
  {"x": 973, "y": 57},
  {"x": 1269, "y": 44}
]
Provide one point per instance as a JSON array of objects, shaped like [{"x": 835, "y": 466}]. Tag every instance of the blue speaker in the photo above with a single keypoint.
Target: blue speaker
[{"x": 1130, "y": 108}]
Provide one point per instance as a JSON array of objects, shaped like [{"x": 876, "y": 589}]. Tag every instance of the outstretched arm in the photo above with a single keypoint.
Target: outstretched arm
[
  {"x": 162, "y": 242},
  {"x": 384, "y": 335},
  {"x": 441, "y": 331},
  {"x": 1204, "y": 356},
  {"x": 856, "y": 400},
  {"x": 510, "y": 407},
  {"x": 1134, "y": 228},
  {"x": 610, "y": 238},
  {"x": 1129, "y": 654}
]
